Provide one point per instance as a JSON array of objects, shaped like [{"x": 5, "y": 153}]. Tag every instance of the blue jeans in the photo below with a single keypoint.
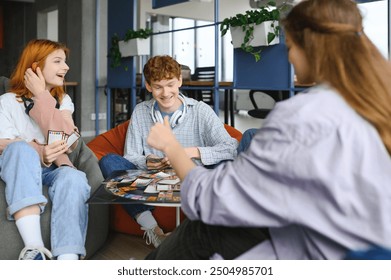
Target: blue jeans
[
  {"x": 246, "y": 139},
  {"x": 68, "y": 189},
  {"x": 242, "y": 147},
  {"x": 113, "y": 162}
]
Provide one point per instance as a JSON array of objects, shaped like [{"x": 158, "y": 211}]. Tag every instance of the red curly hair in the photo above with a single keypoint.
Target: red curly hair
[
  {"x": 161, "y": 68},
  {"x": 36, "y": 51}
]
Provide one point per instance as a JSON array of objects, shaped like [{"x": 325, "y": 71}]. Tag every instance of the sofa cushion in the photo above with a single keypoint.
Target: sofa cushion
[
  {"x": 111, "y": 141},
  {"x": 233, "y": 132},
  {"x": 4, "y": 84}
]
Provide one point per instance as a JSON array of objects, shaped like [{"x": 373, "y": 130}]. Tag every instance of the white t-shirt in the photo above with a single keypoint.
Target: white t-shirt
[{"x": 15, "y": 123}]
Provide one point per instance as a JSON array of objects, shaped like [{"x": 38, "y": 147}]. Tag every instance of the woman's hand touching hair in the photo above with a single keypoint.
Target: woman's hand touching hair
[{"x": 34, "y": 81}]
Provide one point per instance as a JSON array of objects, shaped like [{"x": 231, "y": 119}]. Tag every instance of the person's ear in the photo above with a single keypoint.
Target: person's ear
[
  {"x": 34, "y": 66},
  {"x": 180, "y": 81},
  {"x": 148, "y": 87}
]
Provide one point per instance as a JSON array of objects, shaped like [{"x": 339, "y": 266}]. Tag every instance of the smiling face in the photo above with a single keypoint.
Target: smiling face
[
  {"x": 55, "y": 69},
  {"x": 166, "y": 92}
]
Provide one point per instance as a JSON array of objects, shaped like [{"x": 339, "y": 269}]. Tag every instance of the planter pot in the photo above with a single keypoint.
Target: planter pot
[
  {"x": 134, "y": 47},
  {"x": 260, "y": 35}
]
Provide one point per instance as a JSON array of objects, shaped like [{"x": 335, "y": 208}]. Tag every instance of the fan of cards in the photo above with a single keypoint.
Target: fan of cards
[{"x": 61, "y": 135}]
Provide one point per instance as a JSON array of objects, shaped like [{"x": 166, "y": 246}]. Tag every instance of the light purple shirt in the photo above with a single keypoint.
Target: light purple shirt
[{"x": 317, "y": 175}]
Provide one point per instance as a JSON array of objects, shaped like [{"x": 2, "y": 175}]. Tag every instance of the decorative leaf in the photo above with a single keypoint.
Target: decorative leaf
[{"x": 270, "y": 37}]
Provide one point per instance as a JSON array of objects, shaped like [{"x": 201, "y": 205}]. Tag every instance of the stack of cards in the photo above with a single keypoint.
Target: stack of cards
[
  {"x": 141, "y": 182},
  {"x": 154, "y": 159},
  {"x": 61, "y": 135}
]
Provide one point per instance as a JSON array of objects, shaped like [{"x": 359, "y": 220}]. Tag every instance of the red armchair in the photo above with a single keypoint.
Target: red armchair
[{"x": 113, "y": 141}]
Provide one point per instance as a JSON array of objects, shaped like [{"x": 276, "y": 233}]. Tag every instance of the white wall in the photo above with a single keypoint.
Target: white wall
[
  {"x": 375, "y": 24},
  {"x": 194, "y": 10}
]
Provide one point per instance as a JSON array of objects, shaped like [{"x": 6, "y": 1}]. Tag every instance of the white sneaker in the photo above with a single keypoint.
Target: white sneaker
[
  {"x": 39, "y": 254},
  {"x": 155, "y": 236}
]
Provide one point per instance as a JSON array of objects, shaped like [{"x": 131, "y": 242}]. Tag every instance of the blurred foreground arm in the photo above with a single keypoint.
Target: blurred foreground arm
[{"x": 161, "y": 137}]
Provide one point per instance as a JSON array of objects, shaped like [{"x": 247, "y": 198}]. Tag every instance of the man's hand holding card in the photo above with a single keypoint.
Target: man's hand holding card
[{"x": 157, "y": 163}]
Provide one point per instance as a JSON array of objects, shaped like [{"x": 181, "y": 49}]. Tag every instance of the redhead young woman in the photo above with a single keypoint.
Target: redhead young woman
[
  {"x": 317, "y": 175},
  {"x": 35, "y": 104}
]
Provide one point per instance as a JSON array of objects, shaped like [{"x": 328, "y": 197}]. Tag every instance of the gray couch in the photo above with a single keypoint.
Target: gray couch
[
  {"x": 4, "y": 83},
  {"x": 98, "y": 225}
]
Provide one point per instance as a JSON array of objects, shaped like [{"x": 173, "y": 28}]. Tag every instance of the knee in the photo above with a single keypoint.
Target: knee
[
  {"x": 74, "y": 181},
  {"x": 107, "y": 160},
  {"x": 20, "y": 149},
  {"x": 110, "y": 163},
  {"x": 249, "y": 133},
  {"x": 108, "y": 157},
  {"x": 72, "y": 176}
]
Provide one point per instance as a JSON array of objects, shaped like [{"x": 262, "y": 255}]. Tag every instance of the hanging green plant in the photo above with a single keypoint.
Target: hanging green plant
[
  {"x": 251, "y": 18},
  {"x": 114, "y": 51}
]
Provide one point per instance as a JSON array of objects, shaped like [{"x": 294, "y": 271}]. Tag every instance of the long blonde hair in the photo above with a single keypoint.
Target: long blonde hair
[
  {"x": 36, "y": 51},
  {"x": 331, "y": 34}
]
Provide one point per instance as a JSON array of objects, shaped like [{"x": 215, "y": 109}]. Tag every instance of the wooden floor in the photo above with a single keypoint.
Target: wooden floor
[{"x": 121, "y": 246}]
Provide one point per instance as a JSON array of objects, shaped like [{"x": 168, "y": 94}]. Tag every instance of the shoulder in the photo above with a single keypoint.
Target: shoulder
[
  {"x": 196, "y": 105},
  {"x": 145, "y": 105},
  {"x": 141, "y": 115},
  {"x": 316, "y": 103},
  {"x": 9, "y": 98},
  {"x": 66, "y": 103},
  {"x": 190, "y": 101},
  {"x": 312, "y": 115},
  {"x": 143, "y": 108},
  {"x": 66, "y": 100}
]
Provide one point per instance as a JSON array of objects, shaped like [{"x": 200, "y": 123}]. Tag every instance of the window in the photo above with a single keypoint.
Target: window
[
  {"x": 47, "y": 24},
  {"x": 375, "y": 19}
]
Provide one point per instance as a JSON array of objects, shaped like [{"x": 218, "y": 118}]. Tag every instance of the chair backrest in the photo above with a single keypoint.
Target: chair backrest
[
  {"x": 204, "y": 74},
  {"x": 185, "y": 71},
  {"x": 262, "y": 113},
  {"x": 4, "y": 84}
]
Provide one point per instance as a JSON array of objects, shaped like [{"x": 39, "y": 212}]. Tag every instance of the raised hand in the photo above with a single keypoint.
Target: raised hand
[
  {"x": 160, "y": 135},
  {"x": 34, "y": 82},
  {"x": 161, "y": 138}
]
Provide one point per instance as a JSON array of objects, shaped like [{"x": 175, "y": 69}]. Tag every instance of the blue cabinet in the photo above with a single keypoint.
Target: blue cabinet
[{"x": 271, "y": 72}]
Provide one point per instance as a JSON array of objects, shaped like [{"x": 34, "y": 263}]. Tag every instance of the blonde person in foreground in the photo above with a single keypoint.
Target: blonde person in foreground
[
  {"x": 318, "y": 173},
  {"x": 36, "y": 103}
]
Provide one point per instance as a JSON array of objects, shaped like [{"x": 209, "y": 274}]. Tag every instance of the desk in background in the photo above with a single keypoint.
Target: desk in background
[
  {"x": 125, "y": 96},
  {"x": 228, "y": 96},
  {"x": 120, "y": 100}
]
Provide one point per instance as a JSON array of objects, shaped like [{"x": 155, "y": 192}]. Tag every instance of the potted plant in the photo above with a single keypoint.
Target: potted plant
[
  {"x": 135, "y": 42},
  {"x": 259, "y": 27}
]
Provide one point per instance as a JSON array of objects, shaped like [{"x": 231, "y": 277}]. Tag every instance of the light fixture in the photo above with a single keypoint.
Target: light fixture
[
  {"x": 27, "y": 1},
  {"x": 259, "y": 3}
]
